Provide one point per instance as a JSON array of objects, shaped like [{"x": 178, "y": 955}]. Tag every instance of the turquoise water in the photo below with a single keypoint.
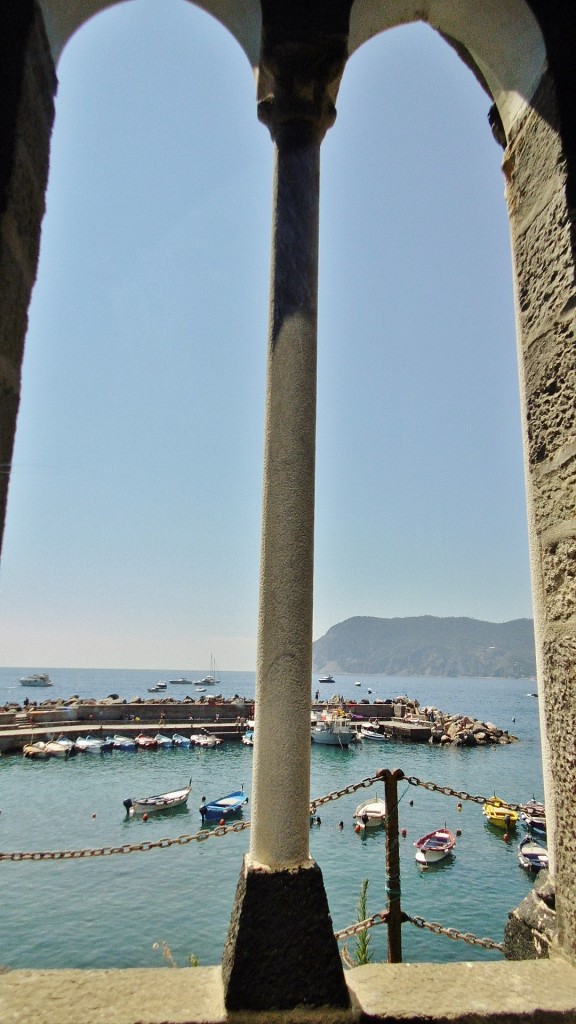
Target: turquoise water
[{"x": 110, "y": 911}]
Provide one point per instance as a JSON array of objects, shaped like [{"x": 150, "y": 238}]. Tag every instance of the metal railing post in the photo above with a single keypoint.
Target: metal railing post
[{"x": 394, "y": 922}]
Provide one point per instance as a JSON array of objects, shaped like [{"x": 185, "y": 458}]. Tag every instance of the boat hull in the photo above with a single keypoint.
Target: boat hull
[
  {"x": 161, "y": 802},
  {"x": 225, "y": 807},
  {"x": 370, "y": 813},
  {"x": 435, "y": 846}
]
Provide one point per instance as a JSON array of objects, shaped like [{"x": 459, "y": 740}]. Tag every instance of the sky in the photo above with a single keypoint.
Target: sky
[{"x": 133, "y": 527}]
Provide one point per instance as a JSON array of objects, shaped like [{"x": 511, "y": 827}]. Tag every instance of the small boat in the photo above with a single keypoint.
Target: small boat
[
  {"x": 205, "y": 739},
  {"x": 123, "y": 742},
  {"x": 212, "y": 678},
  {"x": 181, "y": 682},
  {"x": 178, "y": 740},
  {"x": 500, "y": 814},
  {"x": 532, "y": 856},
  {"x": 371, "y": 732},
  {"x": 248, "y": 738},
  {"x": 226, "y": 807},
  {"x": 57, "y": 749},
  {"x": 533, "y": 816},
  {"x": 144, "y": 742},
  {"x": 200, "y": 689},
  {"x": 162, "y": 741},
  {"x": 93, "y": 745},
  {"x": 333, "y": 728},
  {"x": 326, "y": 679},
  {"x": 70, "y": 745},
  {"x": 41, "y": 679},
  {"x": 370, "y": 813},
  {"x": 158, "y": 688},
  {"x": 161, "y": 802},
  {"x": 434, "y": 846},
  {"x": 37, "y": 750}
]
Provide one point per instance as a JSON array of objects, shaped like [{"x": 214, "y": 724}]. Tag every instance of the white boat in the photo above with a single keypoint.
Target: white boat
[
  {"x": 161, "y": 802},
  {"x": 370, "y": 813},
  {"x": 370, "y": 732},
  {"x": 434, "y": 846},
  {"x": 326, "y": 679},
  {"x": 42, "y": 679},
  {"x": 178, "y": 740},
  {"x": 120, "y": 742},
  {"x": 163, "y": 741},
  {"x": 212, "y": 678},
  {"x": 37, "y": 750},
  {"x": 204, "y": 739},
  {"x": 181, "y": 682},
  {"x": 57, "y": 749},
  {"x": 532, "y": 856},
  {"x": 334, "y": 729},
  {"x": 158, "y": 688},
  {"x": 93, "y": 745}
]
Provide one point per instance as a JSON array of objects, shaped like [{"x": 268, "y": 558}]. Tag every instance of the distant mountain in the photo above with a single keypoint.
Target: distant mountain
[{"x": 427, "y": 646}]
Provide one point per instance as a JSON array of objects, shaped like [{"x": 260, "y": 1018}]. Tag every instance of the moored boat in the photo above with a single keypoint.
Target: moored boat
[
  {"x": 434, "y": 846},
  {"x": 163, "y": 741},
  {"x": 500, "y": 814},
  {"x": 326, "y": 679},
  {"x": 178, "y": 740},
  {"x": 37, "y": 750},
  {"x": 533, "y": 816},
  {"x": 225, "y": 807},
  {"x": 120, "y": 742},
  {"x": 248, "y": 738},
  {"x": 370, "y": 813},
  {"x": 205, "y": 739},
  {"x": 40, "y": 679},
  {"x": 57, "y": 749},
  {"x": 333, "y": 728},
  {"x": 158, "y": 688},
  {"x": 532, "y": 856},
  {"x": 161, "y": 802},
  {"x": 144, "y": 742},
  {"x": 93, "y": 744},
  {"x": 371, "y": 733}
]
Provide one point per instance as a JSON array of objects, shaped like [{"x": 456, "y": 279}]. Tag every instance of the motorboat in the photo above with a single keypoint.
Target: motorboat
[
  {"x": 162, "y": 741},
  {"x": 371, "y": 732},
  {"x": 41, "y": 679},
  {"x": 333, "y": 728},
  {"x": 93, "y": 744},
  {"x": 226, "y": 807},
  {"x": 434, "y": 846},
  {"x": 144, "y": 742},
  {"x": 161, "y": 802},
  {"x": 178, "y": 740},
  {"x": 532, "y": 856},
  {"x": 248, "y": 738},
  {"x": 326, "y": 679},
  {"x": 205, "y": 739},
  {"x": 120, "y": 742},
  {"x": 500, "y": 814},
  {"x": 37, "y": 750},
  {"x": 57, "y": 749},
  {"x": 158, "y": 688},
  {"x": 533, "y": 816},
  {"x": 70, "y": 744},
  {"x": 181, "y": 682},
  {"x": 370, "y": 813}
]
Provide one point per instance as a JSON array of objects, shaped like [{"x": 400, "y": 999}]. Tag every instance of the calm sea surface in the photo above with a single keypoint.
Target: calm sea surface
[{"x": 111, "y": 911}]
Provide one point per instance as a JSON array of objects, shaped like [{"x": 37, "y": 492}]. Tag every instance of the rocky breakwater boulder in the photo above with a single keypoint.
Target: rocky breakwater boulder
[{"x": 462, "y": 731}]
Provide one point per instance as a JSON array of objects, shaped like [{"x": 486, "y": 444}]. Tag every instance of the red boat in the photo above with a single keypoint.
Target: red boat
[{"x": 146, "y": 742}]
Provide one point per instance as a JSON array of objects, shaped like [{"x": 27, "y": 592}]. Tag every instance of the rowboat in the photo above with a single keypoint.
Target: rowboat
[
  {"x": 145, "y": 742},
  {"x": 37, "y": 750},
  {"x": 532, "y": 856},
  {"x": 161, "y": 802},
  {"x": 500, "y": 814},
  {"x": 57, "y": 749},
  {"x": 226, "y": 807},
  {"x": 370, "y": 813},
  {"x": 163, "y": 741},
  {"x": 248, "y": 738},
  {"x": 93, "y": 745},
  {"x": 533, "y": 816},
  {"x": 434, "y": 846},
  {"x": 370, "y": 732},
  {"x": 120, "y": 742},
  {"x": 204, "y": 739},
  {"x": 178, "y": 740}
]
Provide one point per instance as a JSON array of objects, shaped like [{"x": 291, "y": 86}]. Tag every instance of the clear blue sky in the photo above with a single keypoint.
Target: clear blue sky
[{"x": 133, "y": 525}]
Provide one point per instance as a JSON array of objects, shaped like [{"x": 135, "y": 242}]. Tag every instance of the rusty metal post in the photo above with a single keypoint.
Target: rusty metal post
[{"x": 391, "y": 779}]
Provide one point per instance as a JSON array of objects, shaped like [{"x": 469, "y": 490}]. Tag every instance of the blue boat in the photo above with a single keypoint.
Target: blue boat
[{"x": 226, "y": 807}]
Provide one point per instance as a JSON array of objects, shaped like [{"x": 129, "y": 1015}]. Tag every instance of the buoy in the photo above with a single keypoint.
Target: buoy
[
  {"x": 340, "y": 824},
  {"x": 458, "y": 832},
  {"x": 93, "y": 816},
  {"x": 221, "y": 822},
  {"x": 505, "y": 837},
  {"x": 144, "y": 817},
  {"x": 404, "y": 833},
  {"x": 357, "y": 828},
  {"x": 459, "y": 807},
  {"x": 411, "y": 803}
]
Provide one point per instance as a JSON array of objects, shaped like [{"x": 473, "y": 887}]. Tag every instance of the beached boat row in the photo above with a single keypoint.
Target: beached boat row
[{"x": 65, "y": 747}]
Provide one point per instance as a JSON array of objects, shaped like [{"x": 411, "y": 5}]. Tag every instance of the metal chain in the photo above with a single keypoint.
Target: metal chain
[
  {"x": 459, "y": 794},
  {"x": 107, "y": 851},
  {"x": 337, "y": 793},
  {"x": 453, "y": 933},
  {"x": 361, "y": 926}
]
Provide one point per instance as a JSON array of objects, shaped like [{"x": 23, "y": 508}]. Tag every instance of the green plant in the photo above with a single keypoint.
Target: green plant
[
  {"x": 363, "y": 954},
  {"x": 192, "y": 959}
]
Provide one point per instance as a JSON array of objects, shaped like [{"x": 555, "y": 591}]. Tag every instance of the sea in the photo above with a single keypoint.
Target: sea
[{"x": 172, "y": 905}]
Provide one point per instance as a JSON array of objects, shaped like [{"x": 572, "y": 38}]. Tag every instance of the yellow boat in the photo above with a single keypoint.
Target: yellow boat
[{"x": 500, "y": 814}]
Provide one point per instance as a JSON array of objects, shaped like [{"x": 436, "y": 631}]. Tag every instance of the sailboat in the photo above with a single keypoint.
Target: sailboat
[{"x": 212, "y": 678}]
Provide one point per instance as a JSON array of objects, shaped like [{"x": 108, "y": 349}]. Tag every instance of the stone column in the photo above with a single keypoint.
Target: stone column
[
  {"x": 27, "y": 88},
  {"x": 543, "y": 239},
  {"x": 281, "y": 950}
]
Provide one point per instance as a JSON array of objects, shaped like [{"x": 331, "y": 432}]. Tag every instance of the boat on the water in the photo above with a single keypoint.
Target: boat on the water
[
  {"x": 212, "y": 678},
  {"x": 372, "y": 733},
  {"x": 333, "y": 728},
  {"x": 226, "y": 807},
  {"x": 163, "y": 741},
  {"x": 57, "y": 749},
  {"x": 93, "y": 744},
  {"x": 370, "y": 813},
  {"x": 533, "y": 816},
  {"x": 161, "y": 802},
  {"x": 500, "y": 814},
  {"x": 248, "y": 738},
  {"x": 41, "y": 679},
  {"x": 181, "y": 682},
  {"x": 144, "y": 742},
  {"x": 434, "y": 846},
  {"x": 37, "y": 750},
  {"x": 326, "y": 679},
  {"x": 158, "y": 688},
  {"x": 120, "y": 742},
  {"x": 205, "y": 739},
  {"x": 532, "y": 856},
  {"x": 178, "y": 740}
]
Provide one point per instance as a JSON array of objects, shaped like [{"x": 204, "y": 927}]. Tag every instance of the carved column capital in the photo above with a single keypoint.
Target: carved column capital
[{"x": 298, "y": 83}]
